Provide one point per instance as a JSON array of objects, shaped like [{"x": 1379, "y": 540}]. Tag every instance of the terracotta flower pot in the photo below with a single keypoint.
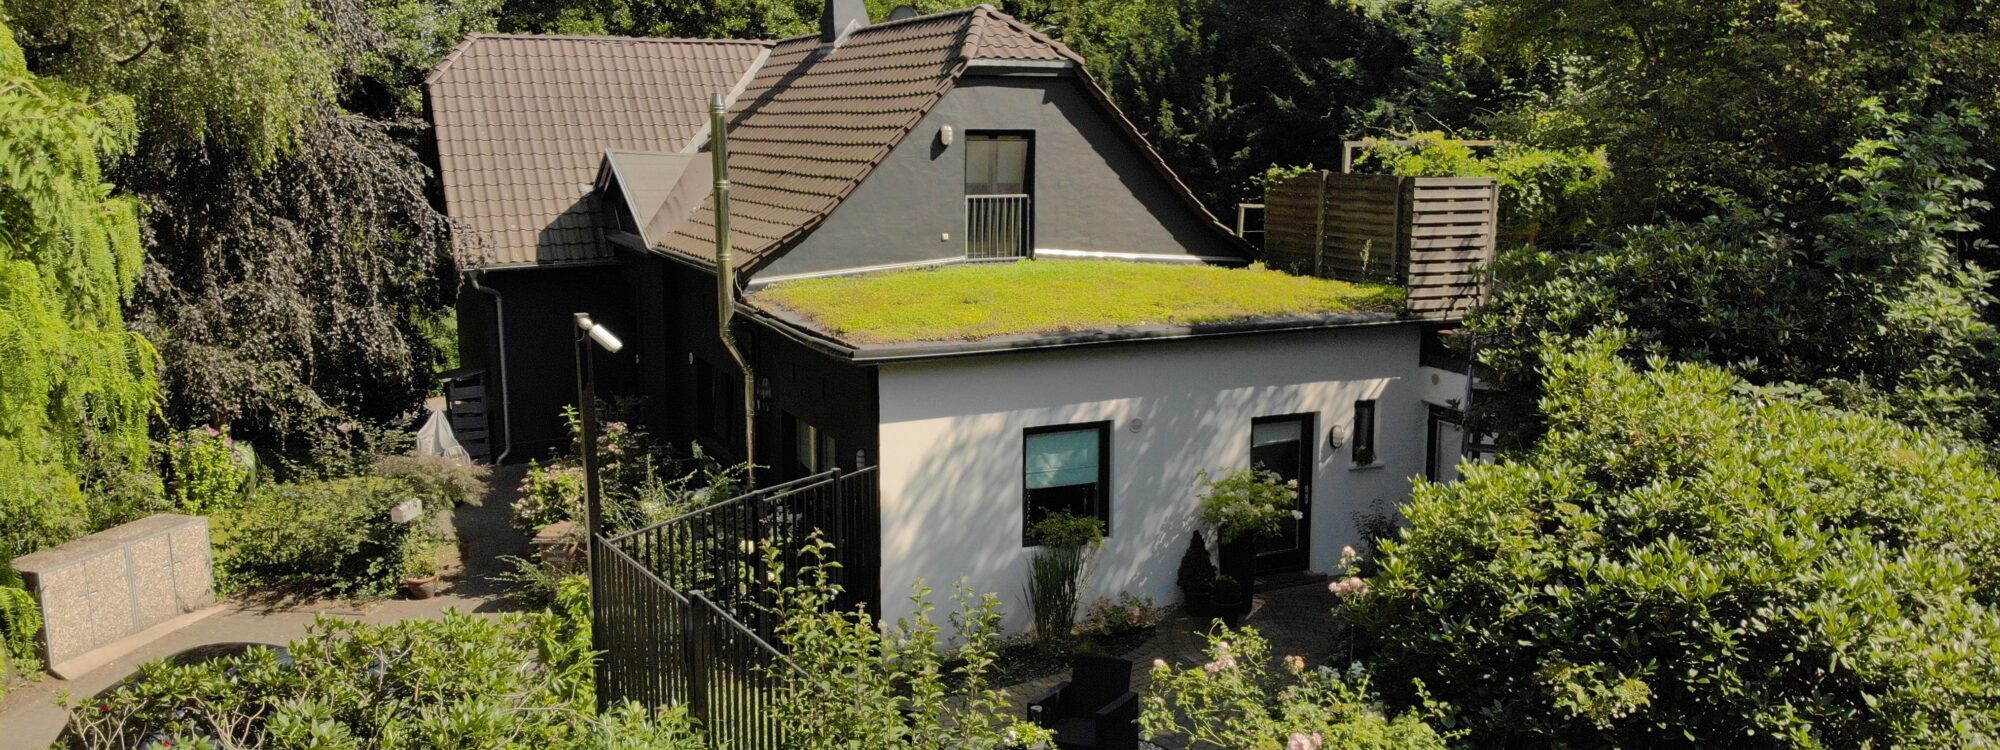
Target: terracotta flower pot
[{"x": 421, "y": 588}]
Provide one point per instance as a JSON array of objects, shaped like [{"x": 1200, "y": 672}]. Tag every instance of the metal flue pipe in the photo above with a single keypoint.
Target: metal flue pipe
[{"x": 725, "y": 281}]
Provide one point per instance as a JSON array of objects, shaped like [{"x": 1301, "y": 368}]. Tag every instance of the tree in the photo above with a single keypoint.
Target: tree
[
  {"x": 1687, "y": 561},
  {"x": 293, "y": 256},
  {"x": 76, "y": 387},
  {"x": 1869, "y": 305}
]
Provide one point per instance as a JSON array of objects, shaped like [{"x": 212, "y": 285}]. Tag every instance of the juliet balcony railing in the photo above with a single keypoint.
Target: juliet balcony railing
[{"x": 999, "y": 226}]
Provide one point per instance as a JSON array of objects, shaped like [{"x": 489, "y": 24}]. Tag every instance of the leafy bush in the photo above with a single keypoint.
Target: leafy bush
[
  {"x": 1553, "y": 196},
  {"x": 1125, "y": 614},
  {"x": 20, "y": 620},
  {"x": 441, "y": 482},
  {"x": 1686, "y": 562},
  {"x": 1056, "y": 572},
  {"x": 642, "y": 483},
  {"x": 1236, "y": 701},
  {"x": 1247, "y": 502},
  {"x": 861, "y": 684},
  {"x": 464, "y": 681},
  {"x": 206, "y": 472},
  {"x": 331, "y": 537}
]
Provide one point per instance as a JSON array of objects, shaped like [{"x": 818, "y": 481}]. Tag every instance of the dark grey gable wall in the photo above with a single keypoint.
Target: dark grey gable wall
[{"x": 1093, "y": 188}]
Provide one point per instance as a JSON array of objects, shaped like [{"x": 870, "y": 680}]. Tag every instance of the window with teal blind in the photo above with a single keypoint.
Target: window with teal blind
[{"x": 1066, "y": 469}]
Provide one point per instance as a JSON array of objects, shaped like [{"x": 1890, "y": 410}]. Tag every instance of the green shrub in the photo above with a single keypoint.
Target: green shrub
[
  {"x": 520, "y": 681},
  {"x": 206, "y": 472},
  {"x": 20, "y": 620},
  {"x": 863, "y": 684},
  {"x": 1238, "y": 701},
  {"x": 332, "y": 537},
  {"x": 441, "y": 482},
  {"x": 1682, "y": 562},
  {"x": 1056, "y": 572},
  {"x": 1122, "y": 615}
]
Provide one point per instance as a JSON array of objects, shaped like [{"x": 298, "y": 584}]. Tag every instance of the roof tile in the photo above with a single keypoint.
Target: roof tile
[{"x": 523, "y": 121}]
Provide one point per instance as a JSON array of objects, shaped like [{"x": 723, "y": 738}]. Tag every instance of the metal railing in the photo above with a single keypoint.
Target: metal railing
[
  {"x": 681, "y": 610},
  {"x": 999, "y": 226}
]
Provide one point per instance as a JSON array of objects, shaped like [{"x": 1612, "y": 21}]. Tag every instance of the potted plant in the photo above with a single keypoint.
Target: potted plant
[
  {"x": 1242, "y": 505},
  {"x": 420, "y": 571},
  {"x": 1231, "y": 600},
  {"x": 1196, "y": 577}
]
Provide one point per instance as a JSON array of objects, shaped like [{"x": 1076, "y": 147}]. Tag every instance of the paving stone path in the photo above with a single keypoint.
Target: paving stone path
[{"x": 1297, "y": 620}]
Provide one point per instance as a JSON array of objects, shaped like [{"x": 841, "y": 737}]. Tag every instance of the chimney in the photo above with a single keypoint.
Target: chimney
[{"x": 840, "y": 18}]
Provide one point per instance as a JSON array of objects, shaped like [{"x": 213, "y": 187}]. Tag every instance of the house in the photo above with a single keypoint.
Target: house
[{"x": 951, "y": 259}]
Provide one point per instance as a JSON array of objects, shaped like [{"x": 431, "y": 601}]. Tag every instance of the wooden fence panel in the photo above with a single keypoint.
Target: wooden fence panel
[{"x": 1434, "y": 235}]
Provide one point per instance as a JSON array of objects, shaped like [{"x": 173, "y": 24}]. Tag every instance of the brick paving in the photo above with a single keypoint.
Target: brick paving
[{"x": 1297, "y": 620}]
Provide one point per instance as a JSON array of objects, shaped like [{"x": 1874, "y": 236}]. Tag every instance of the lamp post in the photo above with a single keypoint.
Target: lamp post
[{"x": 588, "y": 331}]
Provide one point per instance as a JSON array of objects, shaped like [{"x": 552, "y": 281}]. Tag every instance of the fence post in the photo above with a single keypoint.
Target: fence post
[
  {"x": 695, "y": 658},
  {"x": 1319, "y": 226}
]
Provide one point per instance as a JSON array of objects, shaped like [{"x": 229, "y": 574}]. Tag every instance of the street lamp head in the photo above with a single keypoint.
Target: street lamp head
[{"x": 599, "y": 334}]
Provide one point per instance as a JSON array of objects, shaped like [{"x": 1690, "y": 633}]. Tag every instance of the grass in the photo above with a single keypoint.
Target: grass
[{"x": 977, "y": 301}]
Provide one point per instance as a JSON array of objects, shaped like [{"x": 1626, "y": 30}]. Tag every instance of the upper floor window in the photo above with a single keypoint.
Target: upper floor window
[{"x": 997, "y": 163}]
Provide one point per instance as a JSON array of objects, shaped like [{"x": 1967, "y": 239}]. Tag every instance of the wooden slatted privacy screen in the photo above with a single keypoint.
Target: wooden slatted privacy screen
[{"x": 1436, "y": 235}]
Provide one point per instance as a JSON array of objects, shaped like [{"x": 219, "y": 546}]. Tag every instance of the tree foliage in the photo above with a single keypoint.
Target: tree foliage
[
  {"x": 1227, "y": 88},
  {"x": 1685, "y": 561},
  {"x": 1869, "y": 305},
  {"x": 76, "y": 387}
]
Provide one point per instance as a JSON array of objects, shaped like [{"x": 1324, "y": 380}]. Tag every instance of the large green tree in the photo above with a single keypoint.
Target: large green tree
[
  {"x": 76, "y": 387},
  {"x": 293, "y": 256},
  {"x": 1798, "y": 191}
]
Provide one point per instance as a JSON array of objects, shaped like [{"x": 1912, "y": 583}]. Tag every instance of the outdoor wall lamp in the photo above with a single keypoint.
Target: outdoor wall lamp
[
  {"x": 598, "y": 333},
  {"x": 1336, "y": 436},
  {"x": 944, "y": 135}
]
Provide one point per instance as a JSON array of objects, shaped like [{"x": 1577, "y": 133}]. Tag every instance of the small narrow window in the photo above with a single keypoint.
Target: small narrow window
[
  {"x": 1364, "y": 432},
  {"x": 1067, "y": 470},
  {"x": 812, "y": 449}
]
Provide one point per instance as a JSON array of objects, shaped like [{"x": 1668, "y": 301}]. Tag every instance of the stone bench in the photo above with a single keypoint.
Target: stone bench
[{"x": 117, "y": 583}]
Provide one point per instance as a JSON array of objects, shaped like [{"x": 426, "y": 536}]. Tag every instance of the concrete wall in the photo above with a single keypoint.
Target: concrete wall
[
  {"x": 952, "y": 501},
  {"x": 118, "y": 582},
  {"x": 1093, "y": 188}
]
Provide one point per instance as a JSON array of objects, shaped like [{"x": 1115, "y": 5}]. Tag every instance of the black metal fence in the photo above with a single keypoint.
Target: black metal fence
[{"x": 681, "y": 612}]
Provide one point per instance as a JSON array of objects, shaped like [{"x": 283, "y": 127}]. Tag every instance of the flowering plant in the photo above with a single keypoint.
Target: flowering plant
[
  {"x": 1246, "y": 502},
  {"x": 1237, "y": 701}
]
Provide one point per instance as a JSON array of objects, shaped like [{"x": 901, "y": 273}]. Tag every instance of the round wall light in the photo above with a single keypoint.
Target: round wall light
[{"x": 1336, "y": 436}]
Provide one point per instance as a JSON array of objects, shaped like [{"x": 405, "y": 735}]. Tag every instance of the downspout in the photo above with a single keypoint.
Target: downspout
[
  {"x": 725, "y": 282},
  {"x": 500, "y": 331}
]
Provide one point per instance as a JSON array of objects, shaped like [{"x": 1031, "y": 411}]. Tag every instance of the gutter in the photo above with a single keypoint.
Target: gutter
[{"x": 500, "y": 329}]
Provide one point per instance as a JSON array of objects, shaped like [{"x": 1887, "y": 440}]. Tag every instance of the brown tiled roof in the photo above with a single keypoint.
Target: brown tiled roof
[
  {"x": 522, "y": 123},
  {"x": 813, "y": 125}
]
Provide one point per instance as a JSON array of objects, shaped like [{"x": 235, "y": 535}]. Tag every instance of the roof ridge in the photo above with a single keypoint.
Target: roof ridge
[
  {"x": 615, "y": 38},
  {"x": 872, "y": 26},
  {"x": 475, "y": 37}
]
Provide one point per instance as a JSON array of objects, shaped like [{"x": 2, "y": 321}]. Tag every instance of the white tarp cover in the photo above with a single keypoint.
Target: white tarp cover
[{"x": 435, "y": 438}]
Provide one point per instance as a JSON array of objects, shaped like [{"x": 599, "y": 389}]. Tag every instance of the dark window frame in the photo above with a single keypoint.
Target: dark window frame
[
  {"x": 1104, "y": 430},
  {"x": 1362, "y": 442},
  {"x": 1027, "y": 169}
]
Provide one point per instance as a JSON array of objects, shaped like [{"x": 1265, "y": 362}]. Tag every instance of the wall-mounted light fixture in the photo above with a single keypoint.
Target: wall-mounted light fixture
[
  {"x": 1336, "y": 436},
  {"x": 1135, "y": 425},
  {"x": 944, "y": 135}
]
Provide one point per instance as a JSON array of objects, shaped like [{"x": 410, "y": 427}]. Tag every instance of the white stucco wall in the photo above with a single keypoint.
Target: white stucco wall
[{"x": 951, "y": 442}]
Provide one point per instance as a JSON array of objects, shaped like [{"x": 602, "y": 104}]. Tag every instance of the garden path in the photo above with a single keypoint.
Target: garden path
[
  {"x": 1297, "y": 620},
  {"x": 30, "y": 718}
]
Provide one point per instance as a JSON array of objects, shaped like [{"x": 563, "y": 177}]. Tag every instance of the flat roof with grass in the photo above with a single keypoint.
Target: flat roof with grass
[{"x": 974, "y": 301}]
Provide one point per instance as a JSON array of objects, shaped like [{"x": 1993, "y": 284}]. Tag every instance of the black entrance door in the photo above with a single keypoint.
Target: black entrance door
[{"x": 1284, "y": 445}]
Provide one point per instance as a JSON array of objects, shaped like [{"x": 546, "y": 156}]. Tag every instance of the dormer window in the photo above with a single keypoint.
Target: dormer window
[{"x": 999, "y": 212}]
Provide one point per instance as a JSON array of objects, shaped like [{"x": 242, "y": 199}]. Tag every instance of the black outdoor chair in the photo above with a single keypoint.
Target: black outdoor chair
[{"x": 1095, "y": 710}]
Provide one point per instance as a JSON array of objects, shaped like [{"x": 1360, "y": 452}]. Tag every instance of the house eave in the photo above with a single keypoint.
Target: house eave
[{"x": 803, "y": 332}]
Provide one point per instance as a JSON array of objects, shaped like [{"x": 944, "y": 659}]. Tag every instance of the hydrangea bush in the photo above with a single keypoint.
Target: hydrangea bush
[{"x": 1247, "y": 502}]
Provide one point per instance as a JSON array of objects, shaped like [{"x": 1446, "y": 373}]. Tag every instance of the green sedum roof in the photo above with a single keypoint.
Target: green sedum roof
[{"x": 969, "y": 302}]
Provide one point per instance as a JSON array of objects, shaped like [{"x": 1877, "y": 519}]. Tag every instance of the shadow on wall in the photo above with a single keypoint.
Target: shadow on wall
[{"x": 955, "y": 505}]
